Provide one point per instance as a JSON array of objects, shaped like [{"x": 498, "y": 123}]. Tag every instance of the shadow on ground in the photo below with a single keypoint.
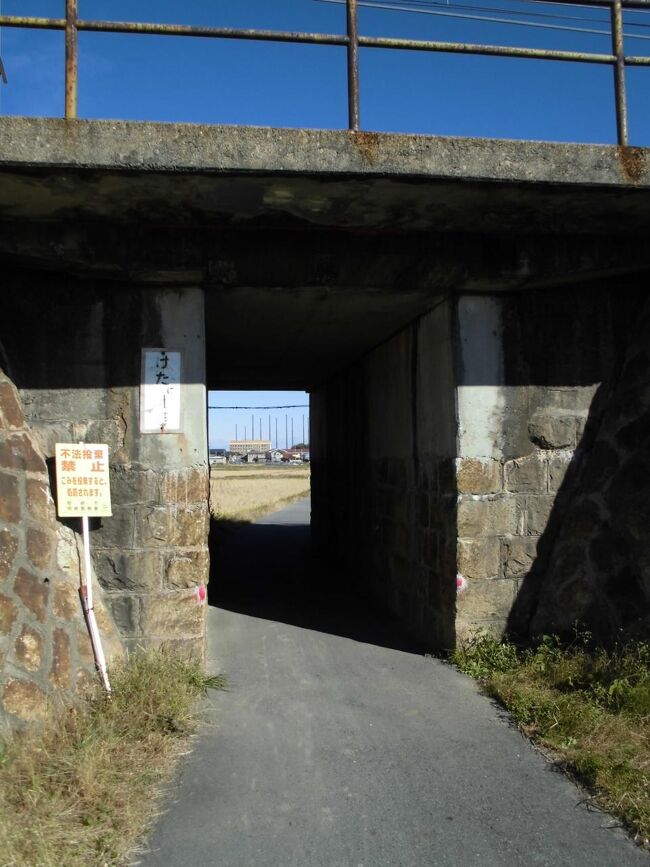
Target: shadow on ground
[{"x": 268, "y": 571}]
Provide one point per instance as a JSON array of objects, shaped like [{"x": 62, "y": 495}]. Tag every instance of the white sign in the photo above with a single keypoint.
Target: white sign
[
  {"x": 82, "y": 480},
  {"x": 160, "y": 392}
]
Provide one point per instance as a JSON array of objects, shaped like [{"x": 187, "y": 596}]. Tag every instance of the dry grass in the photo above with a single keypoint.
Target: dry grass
[
  {"x": 589, "y": 706},
  {"x": 243, "y": 493},
  {"x": 81, "y": 789}
]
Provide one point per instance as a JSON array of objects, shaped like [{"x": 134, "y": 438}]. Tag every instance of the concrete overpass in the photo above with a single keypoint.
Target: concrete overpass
[{"x": 468, "y": 316}]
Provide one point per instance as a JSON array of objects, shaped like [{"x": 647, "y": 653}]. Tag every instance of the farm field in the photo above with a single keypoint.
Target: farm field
[{"x": 245, "y": 492}]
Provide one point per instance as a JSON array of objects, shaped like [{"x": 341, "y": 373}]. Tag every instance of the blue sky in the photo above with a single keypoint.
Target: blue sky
[
  {"x": 225, "y": 423},
  {"x": 210, "y": 81}
]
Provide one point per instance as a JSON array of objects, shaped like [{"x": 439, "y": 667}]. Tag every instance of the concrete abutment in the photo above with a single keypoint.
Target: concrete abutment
[{"x": 469, "y": 317}]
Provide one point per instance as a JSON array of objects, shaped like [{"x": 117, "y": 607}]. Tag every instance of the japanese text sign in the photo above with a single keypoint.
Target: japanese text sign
[
  {"x": 160, "y": 392},
  {"x": 82, "y": 480}
]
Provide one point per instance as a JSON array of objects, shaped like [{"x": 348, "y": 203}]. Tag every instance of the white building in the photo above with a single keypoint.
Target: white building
[{"x": 243, "y": 447}]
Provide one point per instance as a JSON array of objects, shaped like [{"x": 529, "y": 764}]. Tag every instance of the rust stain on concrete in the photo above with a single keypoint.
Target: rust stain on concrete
[
  {"x": 369, "y": 146},
  {"x": 633, "y": 163}
]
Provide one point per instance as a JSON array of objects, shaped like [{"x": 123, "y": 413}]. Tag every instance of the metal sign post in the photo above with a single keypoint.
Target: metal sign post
[{"x": 83, "y": 489}]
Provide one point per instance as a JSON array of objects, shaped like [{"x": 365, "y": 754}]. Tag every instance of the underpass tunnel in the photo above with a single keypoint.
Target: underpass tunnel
[
  {"x": 458, "y": 336},
  {"x": 375, "y": 557}
]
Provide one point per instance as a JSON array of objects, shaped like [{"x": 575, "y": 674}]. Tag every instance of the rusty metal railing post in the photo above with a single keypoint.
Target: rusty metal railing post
[
  {"x": 71, "y": 57},
  {"x": 619, "y": 72},
  {"x": 353, "y": 65}
]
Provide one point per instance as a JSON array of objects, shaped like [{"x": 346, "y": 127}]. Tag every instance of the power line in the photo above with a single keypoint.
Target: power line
[
  {"x": 488, "y": 19},
  {"x": 430, "y": 4},
  {"x": 284, "y": 406}
]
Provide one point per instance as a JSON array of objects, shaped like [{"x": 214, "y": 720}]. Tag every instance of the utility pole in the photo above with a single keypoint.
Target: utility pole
[
  {"x": 293, "y": 439},
  {"x": 276, "y": 431},
  {"x": 286, "y": 431}
]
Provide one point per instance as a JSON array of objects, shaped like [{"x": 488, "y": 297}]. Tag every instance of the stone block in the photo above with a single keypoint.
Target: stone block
[
  {"x": 61, "y": 669},
  {"x": 538, "y": 511},
  {"x": 25, "y": 700},
  {"x": 133, "y": 487},
  {"x": 28, "y": 648},
  {"x": 40, "y": 545},
  {"x": 173, "y": 615},
  {"x": 101, "y": 430},
  {"x": 478, "y": 475},
  {"x": 56, "y": 403},
  {"x": 582, "y": 519},
  {"x": 518, "y": 553},
  {"x": 527, "y": 474},
  {"x": 116, "y": 531},
  {"x": 47, "y": 434},
  {"x": 8, "y": 614},
  {"x": 552, "y": 432},
  {"x": 18, "y": 453},
  {"x": 557, "y": 468},
  {"x": 111, "y": 639},
  {"x": 39, "y": 502},
  {"x": 186, "y": 486},
  {"x": 84, "y": 646},
  {"x": 187, "y": 568},
  {"x": 11, "y": 411},
  {"x": 68, "y": 557},
  {"x": 9, "y": 543},
  {"x": 129, "y": 570},
  {"x": 487, "y": 517},
  {"x": 479, "y": 558},
  {"x": 9, "y": 499},
  {"x": 33, "y": 592},
  {"x": 187, "y": 648},
  {"x": 486, "y": 600},
  {"x": 581, "y": 426},
  {"x": 190, "y": 526},
  {"x": 153, "y": 527},
  {"x": 125, "y": 611},
  {"x": 66, "y": 603},
  {"x": 573, "y": 399}
]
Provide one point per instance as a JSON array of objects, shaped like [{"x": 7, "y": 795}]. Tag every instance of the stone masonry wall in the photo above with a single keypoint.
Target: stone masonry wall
[
  {"x": 530, "y": 367},
  {"x": 383, "y": 495},
  {"x": 79, "y": 379},
  {"x": 45, "y": 651},
  {"x": 593, "y": 562}
]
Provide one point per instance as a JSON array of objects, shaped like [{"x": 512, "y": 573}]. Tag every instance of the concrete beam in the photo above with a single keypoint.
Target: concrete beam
[
  {"x": 182, "y": 174},
  {"x": 178, "y": 147}
]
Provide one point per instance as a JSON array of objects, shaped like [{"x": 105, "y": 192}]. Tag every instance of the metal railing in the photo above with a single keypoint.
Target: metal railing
[{"x": 352, "y": 41}]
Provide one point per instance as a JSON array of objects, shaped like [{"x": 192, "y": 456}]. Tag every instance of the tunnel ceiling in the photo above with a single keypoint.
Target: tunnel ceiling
[{"x": 313, "y": 246}]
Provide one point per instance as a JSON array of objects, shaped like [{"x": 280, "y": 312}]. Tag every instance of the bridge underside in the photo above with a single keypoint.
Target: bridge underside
[{"x": 468, "y": 317}]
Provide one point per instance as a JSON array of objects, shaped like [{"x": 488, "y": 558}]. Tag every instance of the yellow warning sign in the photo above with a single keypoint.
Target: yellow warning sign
[{"x": 82, "y": 480}]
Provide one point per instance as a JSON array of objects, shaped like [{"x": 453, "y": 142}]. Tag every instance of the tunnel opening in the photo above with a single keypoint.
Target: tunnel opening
[
  {"x": 264, "y": 563},
  {"x": 376, "y": 356}
]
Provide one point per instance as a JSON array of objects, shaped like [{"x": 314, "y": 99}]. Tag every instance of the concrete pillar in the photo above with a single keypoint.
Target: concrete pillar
[{"x": 80, "y": 380}]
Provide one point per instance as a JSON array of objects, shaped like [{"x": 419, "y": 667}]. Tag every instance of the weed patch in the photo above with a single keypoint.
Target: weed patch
[
  {"x": 591, "y": 707},
  {"x": 81, "y": 788}
]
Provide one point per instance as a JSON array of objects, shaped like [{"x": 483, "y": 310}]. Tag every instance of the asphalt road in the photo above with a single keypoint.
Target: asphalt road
[{"x": 338, "y": 744}]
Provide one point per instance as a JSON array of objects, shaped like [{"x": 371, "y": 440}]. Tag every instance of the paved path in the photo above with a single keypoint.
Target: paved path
[{"x": 338, "y": 746}]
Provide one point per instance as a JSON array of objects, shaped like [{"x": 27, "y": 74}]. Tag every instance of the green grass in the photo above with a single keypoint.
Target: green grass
[
  {"x": 589, "y": 706},
  {"x": 82, "y": 788}
]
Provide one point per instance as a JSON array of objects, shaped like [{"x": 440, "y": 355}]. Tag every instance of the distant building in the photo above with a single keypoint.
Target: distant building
[
  {"x": 255, "y": 457},
  {"x": 276, "y": 456},
  {"x": 218, "y": 456},
  {"x": 243, "y": 447}
]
